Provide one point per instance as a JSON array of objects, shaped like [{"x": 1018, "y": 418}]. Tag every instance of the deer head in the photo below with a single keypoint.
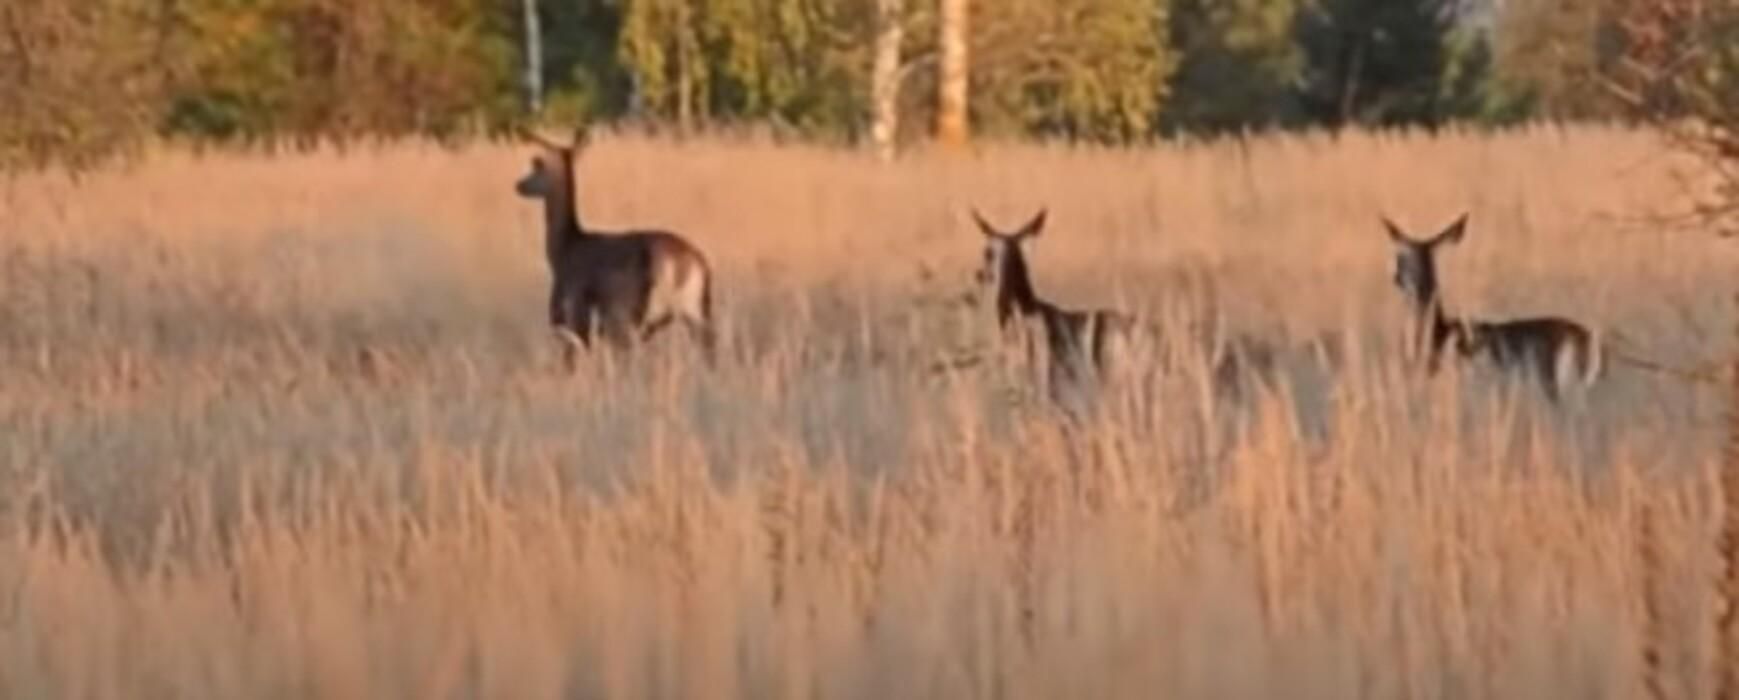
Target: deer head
[
  {"x": 552, "y": 167},
  {"x": 1416, "y": 261},
  {"x": 1002, "y": 248}
]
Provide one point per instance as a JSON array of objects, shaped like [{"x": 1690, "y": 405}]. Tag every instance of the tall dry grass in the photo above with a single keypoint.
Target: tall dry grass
[{"x": 291, "y": 427}]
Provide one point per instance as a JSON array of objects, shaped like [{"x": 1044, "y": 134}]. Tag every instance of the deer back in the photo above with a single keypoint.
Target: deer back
[{"x": 634, "y": 276}]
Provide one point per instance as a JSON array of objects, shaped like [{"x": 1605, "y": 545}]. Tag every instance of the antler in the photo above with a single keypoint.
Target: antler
[
  {"x": 582, "y": 136},
  {"x": 532, "y": 135}
]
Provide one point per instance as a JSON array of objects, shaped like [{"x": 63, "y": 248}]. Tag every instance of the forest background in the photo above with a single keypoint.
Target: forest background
[{"x": 84, "y": 80}]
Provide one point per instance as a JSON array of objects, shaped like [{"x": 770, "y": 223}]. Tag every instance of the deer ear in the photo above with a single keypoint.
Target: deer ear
[
  {"x": 1395, "y": 232},
  {"x": 1454, "y": 233},
  {"x": 582, "y": 137},
  {"x": 984, "y": 226},
  {"x": 1033, "y": 228}
]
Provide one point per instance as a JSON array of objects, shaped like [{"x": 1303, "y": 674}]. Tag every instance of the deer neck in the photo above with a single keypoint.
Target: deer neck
[
  {"x": 561, "y": 220},
  {"x": 1015, "y": 297},
  {"x": 1434, "y": 325}
]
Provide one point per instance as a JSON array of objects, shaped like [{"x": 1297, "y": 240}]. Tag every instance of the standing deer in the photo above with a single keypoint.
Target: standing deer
[
  {"x": 1432, "y": 330},
  {"x": 627, "y": 286},
  {"x": 1096, "y": 344},
  {"x": 1556, "y": 352},
  {"x": 1083, "y": 345}
]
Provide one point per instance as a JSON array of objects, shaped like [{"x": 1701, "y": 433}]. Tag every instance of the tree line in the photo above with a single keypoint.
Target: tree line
[{"x": 81, "y": 79}]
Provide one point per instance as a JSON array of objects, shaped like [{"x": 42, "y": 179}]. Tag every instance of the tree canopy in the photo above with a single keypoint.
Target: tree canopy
[{"x": 84, "y": 79}]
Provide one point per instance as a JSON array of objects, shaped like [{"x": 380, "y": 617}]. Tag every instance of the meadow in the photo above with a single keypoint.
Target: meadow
[{"x": 293, "y": 426}]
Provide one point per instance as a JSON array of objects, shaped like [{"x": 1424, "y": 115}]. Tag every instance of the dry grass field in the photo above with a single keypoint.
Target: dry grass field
[{"x": 292, "y": 426}]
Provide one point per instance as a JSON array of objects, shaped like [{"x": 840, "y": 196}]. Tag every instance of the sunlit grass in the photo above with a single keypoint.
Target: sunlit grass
[{"x": 291, "y": 426}]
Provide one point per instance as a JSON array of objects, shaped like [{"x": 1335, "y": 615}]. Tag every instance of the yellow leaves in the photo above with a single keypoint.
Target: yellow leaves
[{"x": 1096, "y": 69}]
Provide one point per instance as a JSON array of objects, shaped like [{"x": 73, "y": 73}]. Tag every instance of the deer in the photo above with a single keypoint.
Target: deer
[
  {"x": 1083, "y": 344},
  {"x": 625, "y": 286},
  {"x": 1556, "y": 352}
]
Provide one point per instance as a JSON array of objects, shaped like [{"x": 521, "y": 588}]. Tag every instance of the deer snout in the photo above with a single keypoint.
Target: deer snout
[{"x": 528, "y": 187}]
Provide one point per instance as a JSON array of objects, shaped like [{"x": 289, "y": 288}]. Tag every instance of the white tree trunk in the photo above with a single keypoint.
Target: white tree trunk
[
  {"x": 952, "y": 127},
  {"x": 885, "y": 77},
  {"x": 533, "y": 58},
  {"x": 685, "y": 63}
]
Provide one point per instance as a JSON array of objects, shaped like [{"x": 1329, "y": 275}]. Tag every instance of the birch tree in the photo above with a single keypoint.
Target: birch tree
[
  {"x": 885, "y": 76},
  {"x": 954, "y": 86},
  {"x": 533, "y": 58}
]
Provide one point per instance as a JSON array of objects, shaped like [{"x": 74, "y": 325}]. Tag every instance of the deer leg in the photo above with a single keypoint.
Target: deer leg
[
  {"x": 1546, "y": 367},
  {"x": 574, "y": 336},
  {"x": 572, "y": 345},
  {"x": 573, "y": 328},
  {"x": 654, "y": 326},
  {"x": 1566, "y": 367},
  {"x": 617, "y": 326},
  {"x": 620, "y": 336},
  {"x": 570, "y": 313},
  {"x": 558, "y": 304},
  {"x": 583, "y": 319},
  {"x": 567, "y": 322}
]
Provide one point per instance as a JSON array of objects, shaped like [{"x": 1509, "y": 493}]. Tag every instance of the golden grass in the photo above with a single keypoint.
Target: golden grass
[{"x": 290, "y": 427}]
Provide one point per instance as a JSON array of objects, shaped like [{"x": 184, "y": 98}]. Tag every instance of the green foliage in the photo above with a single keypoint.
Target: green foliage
[
  {"x": 580, "y": 55},
  {"x": 1470, "y": 90},
  {"x": 261, "y": 68},
  {"x": 1104, "y": 70},
  {"x": 1385, "y": 63},
  {"x": 802, "y": 63},
  {"x": 660, "y": 48},
  {"x": 1239, "y": 64}
]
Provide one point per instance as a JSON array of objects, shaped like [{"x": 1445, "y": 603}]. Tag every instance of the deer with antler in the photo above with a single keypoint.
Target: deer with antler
[{"x": 625, "y": 286}]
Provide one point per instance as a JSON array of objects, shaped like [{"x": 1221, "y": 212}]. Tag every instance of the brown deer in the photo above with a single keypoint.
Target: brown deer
[
  {"x": 1083, "y": 345},
  {"x": 1098, "y": 344},
  {"x": 1556, "y": 352},
  {"x": 628, "y": 285}
]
